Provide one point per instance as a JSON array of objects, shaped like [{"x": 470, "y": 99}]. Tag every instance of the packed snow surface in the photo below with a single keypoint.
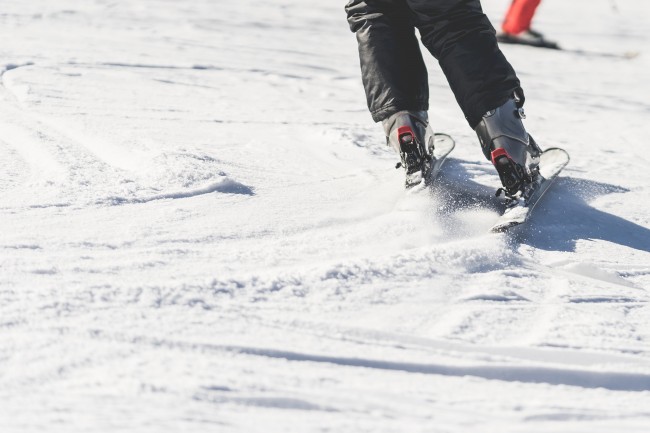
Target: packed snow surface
[{"x": 203, "y": 230}]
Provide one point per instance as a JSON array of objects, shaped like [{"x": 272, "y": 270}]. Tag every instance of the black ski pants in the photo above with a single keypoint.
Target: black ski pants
[{"x": 458, "y": 35}]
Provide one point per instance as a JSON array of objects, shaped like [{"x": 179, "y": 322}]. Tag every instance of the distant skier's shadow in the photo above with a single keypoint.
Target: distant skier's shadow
[{"x": 564, "y": 217}]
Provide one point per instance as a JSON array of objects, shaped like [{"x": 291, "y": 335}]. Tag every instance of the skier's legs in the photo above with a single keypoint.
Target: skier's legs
[
  {"x": 519, "y": 16},
  {"x": 393, "y": 72},
  {"x": 461, "y": 37}
]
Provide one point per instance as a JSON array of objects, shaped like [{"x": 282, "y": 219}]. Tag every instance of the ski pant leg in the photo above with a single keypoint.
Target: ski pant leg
[
  {"x": 461, "y": 37},
  {"x": 392, "y": 69},
  {"x": 519, "y": 16}
]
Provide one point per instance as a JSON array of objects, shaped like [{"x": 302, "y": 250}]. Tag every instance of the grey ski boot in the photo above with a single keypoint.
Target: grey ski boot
[
  {"x": 409, "y": 133},
  {"x": 511, "y": 149}
]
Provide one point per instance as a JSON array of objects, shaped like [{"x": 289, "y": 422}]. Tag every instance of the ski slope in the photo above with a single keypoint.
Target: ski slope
[{"x": 203, "y": 230}]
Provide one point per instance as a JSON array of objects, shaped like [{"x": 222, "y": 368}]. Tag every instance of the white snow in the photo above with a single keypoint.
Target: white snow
[{"x": 202, "y": 230}]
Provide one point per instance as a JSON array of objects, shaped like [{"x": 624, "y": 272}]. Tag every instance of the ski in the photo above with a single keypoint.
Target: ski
[
  {"x": 624, "y": 55},
  {"x": 443, "y": 144},
  {"x": 518, "y": 210}
]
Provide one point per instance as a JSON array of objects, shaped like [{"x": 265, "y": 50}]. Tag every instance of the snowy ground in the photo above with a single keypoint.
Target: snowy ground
[{"x": 201, "y": 230}]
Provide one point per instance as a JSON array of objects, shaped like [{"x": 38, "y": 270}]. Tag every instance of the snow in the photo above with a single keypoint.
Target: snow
[{"x": 202, "y": 230}]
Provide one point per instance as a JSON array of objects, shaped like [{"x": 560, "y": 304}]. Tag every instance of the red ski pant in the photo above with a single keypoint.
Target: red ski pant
[{"x": 519, "y": 16}]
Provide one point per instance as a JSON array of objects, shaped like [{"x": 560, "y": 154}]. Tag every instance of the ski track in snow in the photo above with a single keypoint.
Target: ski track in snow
[{"x": 202, "y": 230}]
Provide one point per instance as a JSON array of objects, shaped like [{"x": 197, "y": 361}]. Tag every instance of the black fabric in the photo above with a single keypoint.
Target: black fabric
[{"x": 458, "y": 35}]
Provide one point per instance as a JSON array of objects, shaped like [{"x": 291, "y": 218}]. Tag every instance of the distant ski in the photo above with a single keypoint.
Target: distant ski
[
  {"x": 504, "y": 38},
  {"x": 517, "y": 212},
  {"x": 624, "y": 55}
]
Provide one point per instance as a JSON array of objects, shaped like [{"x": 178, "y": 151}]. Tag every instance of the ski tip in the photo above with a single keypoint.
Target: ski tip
[
  {"x": 442, "y": 136},
  {"x": 556, "y": 150},
  {"x": 443, "y": 145},
  {"x": 552, "y": 157},
  {"x": 444, "y": 140}
]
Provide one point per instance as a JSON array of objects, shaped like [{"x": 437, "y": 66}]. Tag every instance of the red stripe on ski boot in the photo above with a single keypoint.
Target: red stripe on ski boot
[
  {"x": 497, "y": 153},
  {"x": 405, "y": 135}
]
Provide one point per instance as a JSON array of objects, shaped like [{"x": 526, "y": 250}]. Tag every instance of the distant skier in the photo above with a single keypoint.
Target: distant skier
[
  {"x": 517, "y": 25},
  {"x": 460, "y": 36}
]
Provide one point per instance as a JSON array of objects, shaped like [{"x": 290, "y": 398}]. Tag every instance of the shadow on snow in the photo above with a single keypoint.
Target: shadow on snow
[
  {"x": 561, "y": 218},
  {"x": 565, "y": 217}
]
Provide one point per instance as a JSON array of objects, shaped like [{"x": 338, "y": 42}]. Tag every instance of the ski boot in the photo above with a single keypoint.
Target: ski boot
[
  {"x": 513, "y": 152},
  {"x": 409, "y": 133}
]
